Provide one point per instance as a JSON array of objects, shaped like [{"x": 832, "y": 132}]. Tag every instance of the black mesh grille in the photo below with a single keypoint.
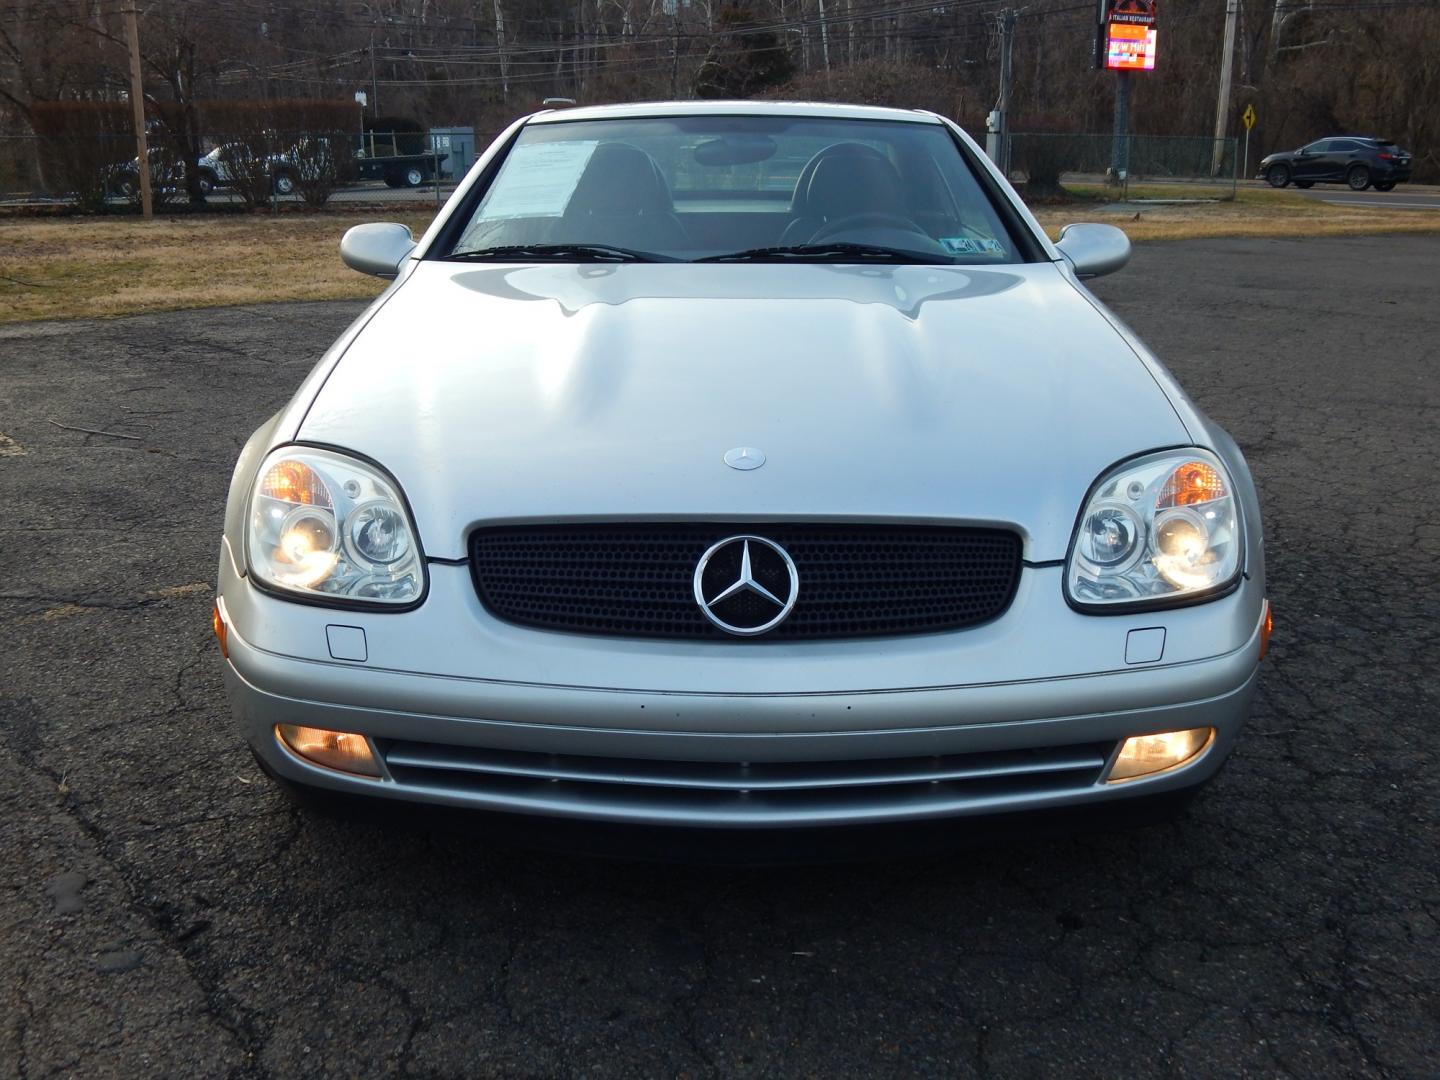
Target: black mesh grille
[{"x": 635, "y": 579}]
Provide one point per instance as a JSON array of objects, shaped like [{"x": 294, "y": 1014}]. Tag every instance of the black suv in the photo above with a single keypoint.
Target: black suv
[{"x": 1357, "y": 160}]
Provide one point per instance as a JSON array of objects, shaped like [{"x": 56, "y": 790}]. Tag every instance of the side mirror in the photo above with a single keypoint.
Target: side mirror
[
  {"x": 377, "y": 248},
  {"x": 1094, "y": 249}
]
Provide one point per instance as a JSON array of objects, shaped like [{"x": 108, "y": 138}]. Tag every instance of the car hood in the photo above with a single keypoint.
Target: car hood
[{"x": 926, "y": 393}]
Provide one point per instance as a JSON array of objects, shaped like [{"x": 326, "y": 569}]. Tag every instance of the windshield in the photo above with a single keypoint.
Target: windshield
[{"x": 745, "y": 188}]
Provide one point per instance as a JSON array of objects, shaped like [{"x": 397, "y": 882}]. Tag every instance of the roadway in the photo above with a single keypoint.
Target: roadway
[{"x": 1404, "y": 197}]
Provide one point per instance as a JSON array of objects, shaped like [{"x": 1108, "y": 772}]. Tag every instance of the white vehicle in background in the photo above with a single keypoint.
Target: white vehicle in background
[{"x": 215, "y": 168}]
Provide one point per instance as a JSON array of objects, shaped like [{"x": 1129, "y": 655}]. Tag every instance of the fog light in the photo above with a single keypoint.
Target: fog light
[
  {"x": 1143, "y": 755},
  {"x": 334, "y": 749}
]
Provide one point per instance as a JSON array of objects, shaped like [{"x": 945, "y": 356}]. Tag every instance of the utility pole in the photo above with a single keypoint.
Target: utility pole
[
  {"x": 374, "y": 82},
  {"x": 824, "y": 37},
  {"x": 1222, "y": 103},
  {"x": 500, "y": 48},
  {"x": 675, "y": 52},
  {"x": 137, "y": 102},
  {"x": 997, "y": 139},
  {"x": 672, "y": 8}
]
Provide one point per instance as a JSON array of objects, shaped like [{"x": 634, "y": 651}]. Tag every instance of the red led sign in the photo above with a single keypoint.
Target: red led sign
[{"x": 1129, "y": 47}]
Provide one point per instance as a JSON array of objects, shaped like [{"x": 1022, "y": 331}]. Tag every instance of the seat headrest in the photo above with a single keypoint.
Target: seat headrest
[
  {"x": 620, "y": 179},
  {"x": 854, "y": 184},
  {"x": 800, "y": 199}
]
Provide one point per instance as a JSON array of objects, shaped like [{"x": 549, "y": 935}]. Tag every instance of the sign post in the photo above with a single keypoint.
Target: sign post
[
  {"x": 1124, "y": 43},
  {"x": 1248, "y": 118}
]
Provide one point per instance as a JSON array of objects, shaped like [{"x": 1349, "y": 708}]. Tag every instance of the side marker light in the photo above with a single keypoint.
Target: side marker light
[{"x": 222, "y": 632}]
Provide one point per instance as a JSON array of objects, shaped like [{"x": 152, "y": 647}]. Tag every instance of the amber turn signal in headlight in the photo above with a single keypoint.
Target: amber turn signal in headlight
[
  {"x": 1143, "y": 755},
  {"x": 1192, "y": 482},
  {"x": 341, "y": 750}
]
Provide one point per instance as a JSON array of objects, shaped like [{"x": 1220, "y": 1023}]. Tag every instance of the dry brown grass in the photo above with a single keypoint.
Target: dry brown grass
[
  {"x": 1254, "y": 212},
  {"x": 94, "y": 268}
]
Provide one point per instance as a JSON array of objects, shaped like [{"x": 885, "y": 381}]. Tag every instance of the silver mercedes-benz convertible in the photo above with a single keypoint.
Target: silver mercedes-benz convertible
[{"x": 741, "y": 466}]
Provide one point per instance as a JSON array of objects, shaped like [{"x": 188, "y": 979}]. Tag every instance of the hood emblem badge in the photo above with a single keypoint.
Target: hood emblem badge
[
  {"x": 744, "y": 458},
  {"x": 746, "y": 585}
]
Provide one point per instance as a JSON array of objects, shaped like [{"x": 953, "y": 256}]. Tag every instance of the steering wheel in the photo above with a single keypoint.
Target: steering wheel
[{"x": 871, "y": 220}]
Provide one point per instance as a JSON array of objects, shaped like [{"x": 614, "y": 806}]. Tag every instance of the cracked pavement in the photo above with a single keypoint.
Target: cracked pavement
[{"x": 165, "y": 912}]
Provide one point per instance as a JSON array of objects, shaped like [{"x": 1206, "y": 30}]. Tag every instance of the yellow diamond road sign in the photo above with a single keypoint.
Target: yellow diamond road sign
[{"x": 1249, "y": 117}]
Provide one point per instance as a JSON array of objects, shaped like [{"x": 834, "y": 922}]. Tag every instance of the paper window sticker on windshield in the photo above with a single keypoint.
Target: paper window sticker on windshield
[
  {"x": 959, "y": 245},
  {"x": 538, "y": 180},
  {"x": 992, "y": 247}
]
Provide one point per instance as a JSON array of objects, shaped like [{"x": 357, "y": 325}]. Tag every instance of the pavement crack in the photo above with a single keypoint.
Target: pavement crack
[{"x": 228, "y": 1013}]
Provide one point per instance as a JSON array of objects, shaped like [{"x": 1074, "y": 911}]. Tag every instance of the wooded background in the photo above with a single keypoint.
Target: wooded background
[{"x": 1309, "y": 68}]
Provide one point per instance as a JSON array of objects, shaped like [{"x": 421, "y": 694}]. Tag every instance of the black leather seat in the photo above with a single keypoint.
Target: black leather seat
[
  {"x": 842, "y": 181},
  {"x": 622, "y": 199}
]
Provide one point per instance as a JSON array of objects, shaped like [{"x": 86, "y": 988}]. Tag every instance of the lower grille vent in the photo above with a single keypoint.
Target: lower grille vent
[{"x": 743, "y": 793}]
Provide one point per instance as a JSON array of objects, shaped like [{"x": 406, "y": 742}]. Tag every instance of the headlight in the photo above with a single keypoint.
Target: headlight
[
  {"x": 1164, "y": 528},
  {"x": 332, "y": 527}
]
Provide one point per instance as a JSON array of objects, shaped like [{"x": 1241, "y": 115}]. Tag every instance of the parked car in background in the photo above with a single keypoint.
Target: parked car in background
[
  {"x": 215, "y": 170},
  {"x": 1359, "y": 161},
  {"x": 167, "y": 175},
  {"x": 372, "y": 160},
  {"x": 657, "y": 491},
  {"x": 284, "y": 166},
  {"x": 399, "y": 170}
]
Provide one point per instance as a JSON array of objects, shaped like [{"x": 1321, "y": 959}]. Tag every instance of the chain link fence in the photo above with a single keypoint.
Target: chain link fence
[
  {"x": 1147, "y": 167},
  {"x": 268, "y": 169}
]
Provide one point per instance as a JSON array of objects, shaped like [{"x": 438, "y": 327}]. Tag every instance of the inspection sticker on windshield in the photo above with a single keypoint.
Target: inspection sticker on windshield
[
  {"x": 964, "y": 245},
  {"x": 538, "y": 179}
]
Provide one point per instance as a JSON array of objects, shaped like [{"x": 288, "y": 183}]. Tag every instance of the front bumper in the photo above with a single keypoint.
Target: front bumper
[{"x": 771, "y": 756}]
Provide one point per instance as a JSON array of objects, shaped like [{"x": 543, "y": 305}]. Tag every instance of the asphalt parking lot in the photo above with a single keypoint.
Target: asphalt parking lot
[{"x": 165, "y": 912}]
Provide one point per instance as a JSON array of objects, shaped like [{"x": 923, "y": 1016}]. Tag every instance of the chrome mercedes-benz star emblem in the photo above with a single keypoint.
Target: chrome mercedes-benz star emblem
[
  {"x": 746, "y": 585},
  {"x": 745, "y": 458}
]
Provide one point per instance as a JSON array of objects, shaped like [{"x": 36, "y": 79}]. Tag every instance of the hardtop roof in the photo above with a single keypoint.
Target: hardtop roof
[{"x": 827, "y": 110}]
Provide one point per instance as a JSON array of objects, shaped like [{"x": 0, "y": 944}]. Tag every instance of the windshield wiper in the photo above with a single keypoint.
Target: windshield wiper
[
  {"x": 558, "y": 253},
  {"x": 829, "y": 253}
]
